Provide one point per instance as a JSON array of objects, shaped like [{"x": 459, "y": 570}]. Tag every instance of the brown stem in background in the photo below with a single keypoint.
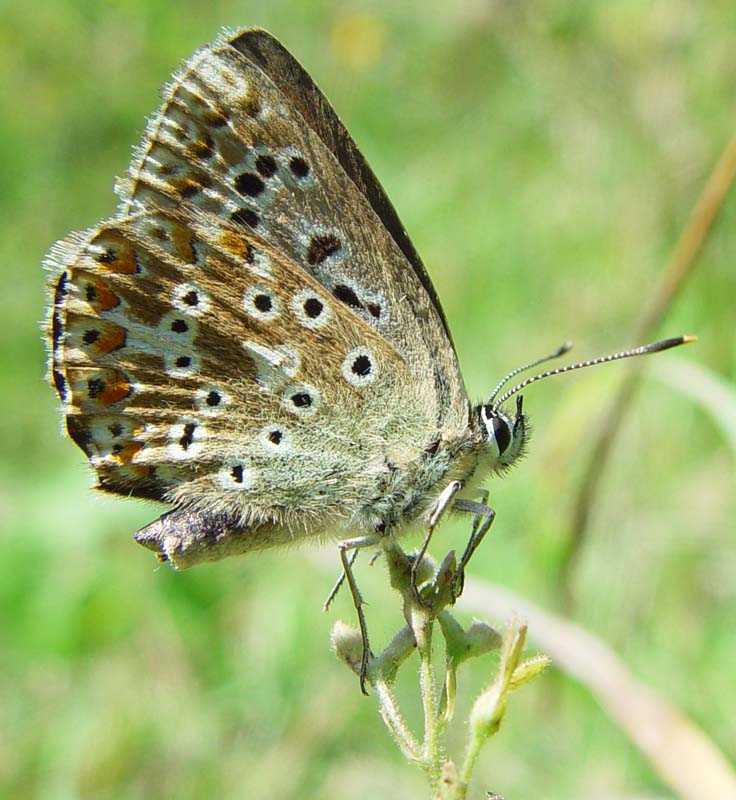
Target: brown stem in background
[{"x": 681, "y": 264}]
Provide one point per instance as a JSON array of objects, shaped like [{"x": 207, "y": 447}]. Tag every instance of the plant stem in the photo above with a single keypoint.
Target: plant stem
[{"x": 391, "y": 715}]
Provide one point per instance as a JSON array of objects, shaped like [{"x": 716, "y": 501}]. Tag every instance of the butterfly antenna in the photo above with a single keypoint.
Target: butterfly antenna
[
  {"x": 557, "y": 353},
  {"x": 655, "y": 347}
]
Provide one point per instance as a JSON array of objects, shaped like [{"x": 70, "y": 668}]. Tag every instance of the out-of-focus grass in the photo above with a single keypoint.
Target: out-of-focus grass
[{"x": 543, "y": 157}]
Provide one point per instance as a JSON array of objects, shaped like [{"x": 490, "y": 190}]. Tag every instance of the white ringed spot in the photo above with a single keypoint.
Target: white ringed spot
[
  {"x": 181, "y": 365},
  {"x": 236, "y": 475},
  {"x": 211, "y": 400},
  {"x": 261, "y": 303},
  {"x": 190, "y": 299},
  {"x": 275, "y": 439},
  {"x": 301, "y": 399},
  {"x": 310, "y": 308},
  {"x": 185, "y": 439},
  {"x": 359, "y": 367}
]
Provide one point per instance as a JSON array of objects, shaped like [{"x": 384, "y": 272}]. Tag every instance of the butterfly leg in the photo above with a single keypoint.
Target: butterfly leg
[
  {"x": 484, "y": 517},
  {"x": 347, "y": 569},
  {"x": 444, "y": 501},
  {"x": 339, "y": 582}
]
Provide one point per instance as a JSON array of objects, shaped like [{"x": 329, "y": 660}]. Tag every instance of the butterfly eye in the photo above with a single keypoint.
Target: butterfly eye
[{"x": 501, "y": 434}]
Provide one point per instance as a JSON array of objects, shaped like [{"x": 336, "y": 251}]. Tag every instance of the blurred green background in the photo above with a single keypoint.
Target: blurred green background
[{"x": 544, "y": 157}]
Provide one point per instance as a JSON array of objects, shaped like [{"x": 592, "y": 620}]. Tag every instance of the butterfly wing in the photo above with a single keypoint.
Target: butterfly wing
[
  {"x": 305, "y": 96},
  {"x": 200, "y": 366},
  {"x": 253, "y": 338},
  {"x": 244, "y": 135}
]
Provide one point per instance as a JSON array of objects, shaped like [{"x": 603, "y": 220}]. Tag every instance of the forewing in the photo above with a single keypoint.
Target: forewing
[
  {"x": 231, "y": 141},
  {"x": 200, "y": 366},
  {"x": 261, "y": 48}
]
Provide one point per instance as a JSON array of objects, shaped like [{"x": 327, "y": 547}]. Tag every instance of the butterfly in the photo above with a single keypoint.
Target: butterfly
[{"x": 253, "y": 339}]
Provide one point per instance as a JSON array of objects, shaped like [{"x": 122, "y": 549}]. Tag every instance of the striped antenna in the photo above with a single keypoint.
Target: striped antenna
[
  {"x": 561, "y": 350},
  {"x": 655, "y": 347}
]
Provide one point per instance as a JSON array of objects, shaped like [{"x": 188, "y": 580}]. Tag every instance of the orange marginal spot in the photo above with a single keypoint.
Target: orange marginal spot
[
  {"x": 113, "y": 338},
  {"x": 237, "y": 245},
  {"x": 99, "y": 296},
  {"x": 183, "y": 242},
  {"x": 114, "y": 388},
  {"x": 128, "y": 452},
  {"x": 117, "y": 253}
]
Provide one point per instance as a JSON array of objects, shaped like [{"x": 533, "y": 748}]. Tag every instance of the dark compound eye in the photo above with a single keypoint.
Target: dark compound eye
[{"x": 501, "y": 434}]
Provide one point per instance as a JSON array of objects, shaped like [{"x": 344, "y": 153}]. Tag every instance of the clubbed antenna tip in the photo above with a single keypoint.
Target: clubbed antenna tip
[{"x": 654, "y": 347}]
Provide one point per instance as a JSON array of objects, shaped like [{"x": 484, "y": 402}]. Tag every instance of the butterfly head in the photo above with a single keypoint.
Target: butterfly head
[{"x": 504, "y": 437}]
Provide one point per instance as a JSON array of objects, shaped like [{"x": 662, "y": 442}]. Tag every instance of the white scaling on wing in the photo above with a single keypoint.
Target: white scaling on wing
[
  {"x": 261, "y": 303},
  {"x": 275, "y": 366},
  {"x": 301, "y": 399},
  {"x": 108, "y": 437},
  {"x": 190, "y": 299},
  {"x": 261, "y": 263},
  {"x": 359, "y": 367},
  {"x": 211, "y": 400},
  {"x": 311, "y": 309},
  {"x": 215, "y": 72},
  {"x": 275, "y": 439},
  {"x": 236, "y": 475},
  {"x": 185, "y": 439}
]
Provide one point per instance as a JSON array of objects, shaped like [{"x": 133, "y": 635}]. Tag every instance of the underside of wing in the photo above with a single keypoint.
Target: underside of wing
[
  {"x": 244, "y": 136},
  {"x": 305, "y": 96},
  {"x": 200, "y": 366}
]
